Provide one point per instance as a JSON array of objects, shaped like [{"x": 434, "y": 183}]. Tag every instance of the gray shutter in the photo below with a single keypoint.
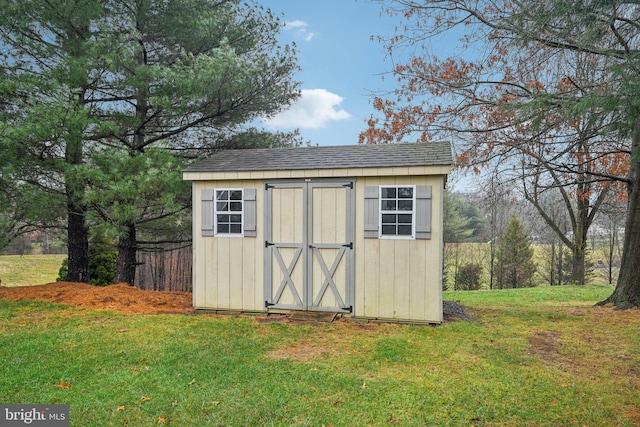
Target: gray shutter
[
  {"x": 371, "y": 207},
  {"x": 249, "y": 212},
  {"x": 423, "y": 212},
  {"x": 207, "y": 212}
]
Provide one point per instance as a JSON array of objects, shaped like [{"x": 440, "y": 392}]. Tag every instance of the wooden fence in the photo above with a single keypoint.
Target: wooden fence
[{"x": 168, "y": 270}]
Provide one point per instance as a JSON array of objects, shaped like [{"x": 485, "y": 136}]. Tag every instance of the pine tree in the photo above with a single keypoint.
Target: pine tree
[
  {"x": 516, "y": 266},
  {"x": 107, "y": 101}
]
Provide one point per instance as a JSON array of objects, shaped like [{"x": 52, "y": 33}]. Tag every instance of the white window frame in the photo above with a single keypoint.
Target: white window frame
[
  {"x": 216, "y": 212},
  {"x": 397, "y": 212}
]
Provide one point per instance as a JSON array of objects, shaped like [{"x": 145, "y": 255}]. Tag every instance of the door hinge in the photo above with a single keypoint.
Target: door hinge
[
  {"x": 267, "y": 244},
  {"x": 349, "y": 309},
  {"x": 267, "y": 186},
  {"x": 268, "y": 304},
  {"x": 348, "y": 245},
  {"x": 349, "y": 185}
]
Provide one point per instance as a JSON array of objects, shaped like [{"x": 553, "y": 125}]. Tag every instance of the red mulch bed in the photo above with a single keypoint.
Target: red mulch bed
[{"x": 120, "y": 297}]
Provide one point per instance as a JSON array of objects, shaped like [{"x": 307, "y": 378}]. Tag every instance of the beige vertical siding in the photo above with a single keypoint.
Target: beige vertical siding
[
  {"x": 228, "y": 271},
  {"x": 399, "y": 279}
]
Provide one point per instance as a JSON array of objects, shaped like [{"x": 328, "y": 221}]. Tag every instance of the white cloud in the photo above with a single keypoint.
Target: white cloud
[
  {"x": 314, "y": 109},
  {"x": 296, "y": 24},
  {"x": 299, "y": 29}
]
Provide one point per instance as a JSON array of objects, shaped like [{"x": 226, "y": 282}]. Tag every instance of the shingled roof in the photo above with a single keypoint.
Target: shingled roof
[{"x": 335, "y": 157}]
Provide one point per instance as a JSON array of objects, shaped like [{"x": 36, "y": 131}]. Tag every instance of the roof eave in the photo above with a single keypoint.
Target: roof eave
[{"x": 441, "y": 169}]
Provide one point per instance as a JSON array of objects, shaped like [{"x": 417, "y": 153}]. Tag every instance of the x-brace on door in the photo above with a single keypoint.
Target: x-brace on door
[{"x": 309, "y": 230}]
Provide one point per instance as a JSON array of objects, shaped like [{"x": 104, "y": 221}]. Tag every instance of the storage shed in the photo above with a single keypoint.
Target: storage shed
[{"x": 352, "y": 229}]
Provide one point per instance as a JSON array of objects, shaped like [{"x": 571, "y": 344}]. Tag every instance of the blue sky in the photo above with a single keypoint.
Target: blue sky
[{"x": 340, "y": 64}]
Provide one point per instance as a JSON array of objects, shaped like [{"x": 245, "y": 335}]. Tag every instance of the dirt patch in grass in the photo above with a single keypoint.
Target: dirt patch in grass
[
  {"x": 633, "y": 413},
  {"x": 333, "y": 340},
  {"x": 544, "y": 345},
  {"x": 549, "y": 347},
  {"x": 120, "y": 297},
  {"x": 590, "y": 354},
  {"x": 303, "y": 352}
]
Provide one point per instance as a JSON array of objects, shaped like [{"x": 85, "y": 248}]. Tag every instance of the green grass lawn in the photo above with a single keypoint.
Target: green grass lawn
[
  {"x": 532, "y": 357},
  {"x": 27, "y": 270}
]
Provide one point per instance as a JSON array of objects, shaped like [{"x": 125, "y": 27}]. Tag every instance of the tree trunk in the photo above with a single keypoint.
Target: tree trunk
[
  {"x": 561, "y": 276},
  {"x": 612, "y": 245},
  {"x": 580, "y": 230},
  {"x": 127, "y": 250},
  {"x": 77, "y": 243},
  {"x": 77, "y": 230},
  {"x": 627, "y": 291},
  {"x": 577, "y": 269},
  {"x": 492, "y": 262},
  {"x": 552, "y": 264}
]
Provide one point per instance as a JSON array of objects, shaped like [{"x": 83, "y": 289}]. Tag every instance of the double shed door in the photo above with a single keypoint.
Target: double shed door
[{"x": 309, "y": 230}]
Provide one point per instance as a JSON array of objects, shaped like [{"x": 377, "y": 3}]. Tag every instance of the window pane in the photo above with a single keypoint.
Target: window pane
[
  {"x": 389, "y": 219},
  {"x": 404, "y": 230},
  {"x": 398, "y": 202},
  {"x": 388, "y": 193},
  {"x": 404, "y": 219},
  {"x": 405, "y": 192},
  {"x": 388, "y": 205},
  {"x": 228, "y": 211},
  {"x": 389, "y": 230},
  {"x": 405, "y": 205}
]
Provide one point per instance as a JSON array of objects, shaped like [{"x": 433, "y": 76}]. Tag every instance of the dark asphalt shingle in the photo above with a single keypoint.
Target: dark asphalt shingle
[{"x": 336, "y": 157}]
